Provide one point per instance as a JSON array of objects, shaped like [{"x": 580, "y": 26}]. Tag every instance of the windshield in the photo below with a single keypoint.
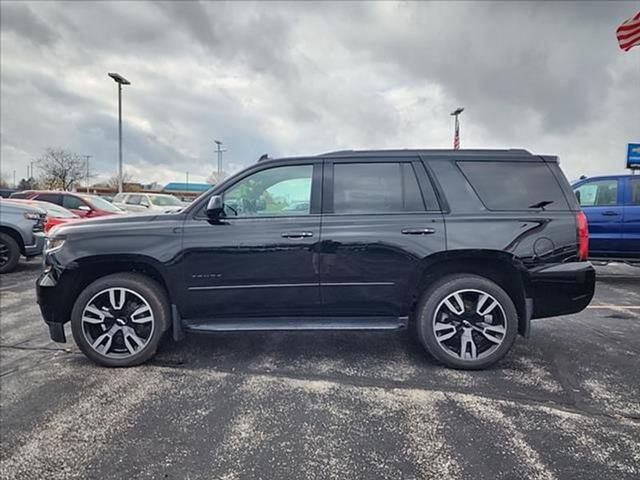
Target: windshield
[
  {"x": 101, "y": 203},
  {"x": 165, "y": 201},
  {"x": 56, "y": 211}
]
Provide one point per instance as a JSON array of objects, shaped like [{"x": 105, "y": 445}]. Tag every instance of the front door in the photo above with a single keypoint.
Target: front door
[
  {"x": 261, "y": 259},
  {"x": 380, "y": 218}
]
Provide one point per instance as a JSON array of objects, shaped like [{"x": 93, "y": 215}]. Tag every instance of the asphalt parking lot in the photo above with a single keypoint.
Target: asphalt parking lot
[{"x": 564, "y": 404}]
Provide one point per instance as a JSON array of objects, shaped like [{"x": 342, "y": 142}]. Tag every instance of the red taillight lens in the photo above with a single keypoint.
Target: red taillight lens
[{"x": 583, "y": 236}]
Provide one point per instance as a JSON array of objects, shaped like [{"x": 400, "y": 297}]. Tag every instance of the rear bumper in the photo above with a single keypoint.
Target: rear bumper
[{"x": 561, "y": 289}]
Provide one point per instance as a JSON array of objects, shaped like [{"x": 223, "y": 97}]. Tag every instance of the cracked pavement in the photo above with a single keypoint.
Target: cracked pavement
[{"x": 563, "y": 404}]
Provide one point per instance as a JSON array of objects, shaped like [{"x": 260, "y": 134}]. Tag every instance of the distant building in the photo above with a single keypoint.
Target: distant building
[
  {"x": 180, "y": 187},
  {"x": 186, "y": 191}
]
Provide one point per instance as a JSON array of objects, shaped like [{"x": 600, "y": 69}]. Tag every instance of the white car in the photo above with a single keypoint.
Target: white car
[{"x": 145, "y": 202}]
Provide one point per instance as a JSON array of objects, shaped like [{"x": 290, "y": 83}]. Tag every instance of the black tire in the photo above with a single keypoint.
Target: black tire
[
  {"x": 140, "y": 285},
  {"x": 9, "y": 253},
  {"x": 431, "y": 304}
]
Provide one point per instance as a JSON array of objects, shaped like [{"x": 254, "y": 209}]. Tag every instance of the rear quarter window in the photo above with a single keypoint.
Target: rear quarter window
[{"x": 511, "y": 186}]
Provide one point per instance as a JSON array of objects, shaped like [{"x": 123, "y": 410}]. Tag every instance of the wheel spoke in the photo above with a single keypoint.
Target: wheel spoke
[
  {"x": 448, "y": 329},
  {"x": 467, "y": 345},
  {"x": 490, "y": 331},
  {"x": 93, "y": 310},
  {"x": 456, "y": 309},
  {"x": 145, "y": 319},
  {"x": 117, "y": 300},
  {"x": 489, "y": 308}
]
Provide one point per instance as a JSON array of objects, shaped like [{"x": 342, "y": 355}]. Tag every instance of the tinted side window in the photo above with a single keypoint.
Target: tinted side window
[
  {"x": 514, "y": 185},
  {"x": 375, "y": 188},
  {"x": 598, "y": 193},
  {"x": 634, "y": 185},
  {"x": 281, "y": 191},
  {"x": 49, "y": 197},
  {"x": 134, "y": 199},
  {"x": 72, "y": 203}
]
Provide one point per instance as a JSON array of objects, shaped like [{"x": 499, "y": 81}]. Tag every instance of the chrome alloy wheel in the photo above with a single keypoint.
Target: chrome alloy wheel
[
  {"x": 117, "y": 322},
  {"x": 469, "y": 324}
]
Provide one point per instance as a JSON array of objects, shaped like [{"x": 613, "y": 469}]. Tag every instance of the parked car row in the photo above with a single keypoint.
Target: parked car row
[
  {"x": 21, "y": 232},
  {"x": 26, "y": 216},
  {"x": 81, "y": 204}
]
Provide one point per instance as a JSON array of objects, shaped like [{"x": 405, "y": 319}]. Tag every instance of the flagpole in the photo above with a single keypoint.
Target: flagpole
[{"x": 456, "y": 132}]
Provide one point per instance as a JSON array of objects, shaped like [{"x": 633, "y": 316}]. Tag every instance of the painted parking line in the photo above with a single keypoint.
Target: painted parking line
[{"x": 614, "y": 307}]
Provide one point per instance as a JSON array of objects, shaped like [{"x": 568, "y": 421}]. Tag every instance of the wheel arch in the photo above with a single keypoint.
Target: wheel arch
[
  {"x": 15, "y": 234},
  {"x": 504, "y": 269},
  {"x": 84, "y": 271}
]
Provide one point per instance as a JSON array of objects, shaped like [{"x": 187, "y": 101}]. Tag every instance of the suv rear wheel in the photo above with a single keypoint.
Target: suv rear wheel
[
  {"x": 467, "y": 321},
  {"x": 9, "y": 253},
  {"x": 118, "y": 320}
]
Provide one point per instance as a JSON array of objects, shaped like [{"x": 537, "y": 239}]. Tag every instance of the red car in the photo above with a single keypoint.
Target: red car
[
  {"x": 82, "y": 204},
  {"x": 56, "y": 214}
]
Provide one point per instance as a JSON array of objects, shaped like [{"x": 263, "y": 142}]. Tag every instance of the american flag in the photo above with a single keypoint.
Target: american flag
[
  {"x": 629, "y": 33},
  {"x": 456, "y": 136}
]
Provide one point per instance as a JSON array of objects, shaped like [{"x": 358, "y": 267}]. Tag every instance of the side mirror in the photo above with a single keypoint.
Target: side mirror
[
  {"x": 84, "y": 208},
  {"x": 215, "y": 207}
]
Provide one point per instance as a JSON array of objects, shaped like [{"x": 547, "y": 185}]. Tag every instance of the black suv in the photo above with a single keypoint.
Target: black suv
[{"x": 464, "y": 247}]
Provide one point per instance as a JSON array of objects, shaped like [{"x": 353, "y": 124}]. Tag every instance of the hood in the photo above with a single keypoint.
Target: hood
[
  {"x": 13, "y": 206},
  {"x": 109, "y": 223}
]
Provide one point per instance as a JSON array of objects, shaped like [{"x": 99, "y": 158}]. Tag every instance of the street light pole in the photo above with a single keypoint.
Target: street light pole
[
  {"x": 120, "y": 80},
  {"x": 86, "y": 158},
  {"x": 219, "y": 150},
  {"x": 456, "y": 132}
]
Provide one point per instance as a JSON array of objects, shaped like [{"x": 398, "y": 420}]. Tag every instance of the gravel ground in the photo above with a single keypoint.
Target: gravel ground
[{"x": 564, "y": 404}]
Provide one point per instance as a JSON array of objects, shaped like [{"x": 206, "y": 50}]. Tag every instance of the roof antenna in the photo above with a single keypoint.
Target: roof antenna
[{"x": 264, "y": 156}]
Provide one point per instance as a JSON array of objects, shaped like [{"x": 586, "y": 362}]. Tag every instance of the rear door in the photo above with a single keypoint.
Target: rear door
[
  {"x": 380, "y": 218},
  {"x": 602, "y": 202},
  {"x": 631, "y": 218}
]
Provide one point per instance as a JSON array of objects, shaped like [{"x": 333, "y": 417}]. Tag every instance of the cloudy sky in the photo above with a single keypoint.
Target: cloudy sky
[{"x": 304, "y": 78}]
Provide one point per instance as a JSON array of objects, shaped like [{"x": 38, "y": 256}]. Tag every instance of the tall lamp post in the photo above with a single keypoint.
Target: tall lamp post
[
  {"x": 456, "y": 132},
  {"x": 120, "y": 80},
  {"x": 219, "y": 149}
]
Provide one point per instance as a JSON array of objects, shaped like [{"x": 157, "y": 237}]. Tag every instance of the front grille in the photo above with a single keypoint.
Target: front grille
[{"x": 39, "y": 225}]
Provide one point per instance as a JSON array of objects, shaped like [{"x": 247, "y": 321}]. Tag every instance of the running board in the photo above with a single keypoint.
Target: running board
[{"x": 293, "y": 323}]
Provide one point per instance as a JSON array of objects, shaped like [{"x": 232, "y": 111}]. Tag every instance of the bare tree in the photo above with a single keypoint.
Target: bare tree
[
  {"x": 127, "y": 177},
  {"x": 61, "y": 169},
  {"x": 3, "y": 182},
  {"x": 213, "y": 178}
]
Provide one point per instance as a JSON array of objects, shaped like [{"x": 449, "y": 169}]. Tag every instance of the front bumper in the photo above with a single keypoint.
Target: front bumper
[
  {"x": 561, "y": 289},
  {"x": 47, "y": 292},
  {"x": 36, "y": 248}
]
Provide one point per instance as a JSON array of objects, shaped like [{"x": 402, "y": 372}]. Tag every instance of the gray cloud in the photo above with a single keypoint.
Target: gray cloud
[{"x": 299, "y": 78}]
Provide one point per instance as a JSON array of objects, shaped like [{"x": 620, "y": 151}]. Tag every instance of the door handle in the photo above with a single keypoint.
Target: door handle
[
  {"x": 296, "y": 234},
  {"x": 610, "y": 213},
  {"x": 418, "y": 231}
]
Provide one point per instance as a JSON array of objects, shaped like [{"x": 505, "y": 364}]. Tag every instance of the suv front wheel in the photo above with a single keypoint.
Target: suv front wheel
[
  {"x": 118, "y": 320},
  {"x": 467, "y": 321}
]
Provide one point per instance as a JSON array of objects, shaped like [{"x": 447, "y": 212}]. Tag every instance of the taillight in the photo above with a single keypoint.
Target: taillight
[{"x": 583, "y": 236}]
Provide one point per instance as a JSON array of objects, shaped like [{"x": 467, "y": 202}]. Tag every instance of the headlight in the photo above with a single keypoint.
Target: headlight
[
  {"x": 53, "y": 244},
  {"x": 31, "y": 216}
]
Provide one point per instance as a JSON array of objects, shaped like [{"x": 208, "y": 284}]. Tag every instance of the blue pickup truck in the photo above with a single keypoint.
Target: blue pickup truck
[{"x": 612, "y": 206}]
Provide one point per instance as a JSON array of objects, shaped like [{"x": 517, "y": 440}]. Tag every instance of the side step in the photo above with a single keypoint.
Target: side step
[{"x": 293, "y": 323}]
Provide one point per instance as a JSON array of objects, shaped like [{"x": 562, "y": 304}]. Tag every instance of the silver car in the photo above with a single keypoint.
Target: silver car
[{"x": 147, "y": 202}]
